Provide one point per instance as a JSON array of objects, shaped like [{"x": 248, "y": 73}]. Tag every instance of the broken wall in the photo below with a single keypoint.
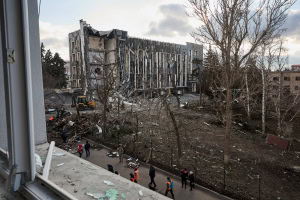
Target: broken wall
[
  {"x": 154, "y": 64},
  {"x": 96, "y": 43},
  {"x": 142, "y": 64}
]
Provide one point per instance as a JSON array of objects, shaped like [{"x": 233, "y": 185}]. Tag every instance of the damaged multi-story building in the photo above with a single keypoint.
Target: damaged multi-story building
[{"x": 140, "y": 65}]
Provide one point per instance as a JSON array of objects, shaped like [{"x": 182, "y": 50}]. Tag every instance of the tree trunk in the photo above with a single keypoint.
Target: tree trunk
[
  {"x": 104, "y": 116},
  {"x": 278, "y": 119},
  {"x": 178, "y": 140},
  {"x": 177, "y": 97},
  {"x": 118, "y": 107},
  {"x": 199, "y": 85},
  {"x": 136, "y": 132},
  {"x": 248, "y": 98},
  {"x": 228, "y": 126},
  {"x": 176, "y": 91},
  {"x": 278, "y": 109},
  {"x": 263, "y": 102}
]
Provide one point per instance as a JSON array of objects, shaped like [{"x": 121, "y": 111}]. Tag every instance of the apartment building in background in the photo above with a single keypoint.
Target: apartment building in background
[
  {"x": 289, "y": 80},
  {"x": 140, "y": 65},
  {"x": 295, "y": 67}
]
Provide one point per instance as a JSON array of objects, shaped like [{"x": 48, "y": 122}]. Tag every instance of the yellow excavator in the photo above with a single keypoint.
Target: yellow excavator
[{"x": 84, "y": 104}]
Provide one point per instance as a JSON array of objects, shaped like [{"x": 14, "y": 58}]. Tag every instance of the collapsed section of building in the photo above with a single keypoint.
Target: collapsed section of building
[{"x": 136, "y": 65}]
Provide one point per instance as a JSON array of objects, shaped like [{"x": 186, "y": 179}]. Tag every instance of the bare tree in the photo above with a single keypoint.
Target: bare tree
[
  {"x": 266, "y": 56},
  {"x": 264, "y": 61},
  {"x": 104, "y": 82},
  {"x": 170, "y": 113},
  {"x": 200, "y": 77},
  {"x": 237, "y": 28},
  {"x": 174, "y": 80},
  {"x": 250, "y": 88}
]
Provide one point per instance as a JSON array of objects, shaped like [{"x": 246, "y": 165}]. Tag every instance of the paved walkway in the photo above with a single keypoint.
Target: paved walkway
[{"x": 101, "y": 159}]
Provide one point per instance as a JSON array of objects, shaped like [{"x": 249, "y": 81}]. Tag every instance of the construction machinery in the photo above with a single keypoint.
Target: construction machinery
[{"x": 84, "y": 104}]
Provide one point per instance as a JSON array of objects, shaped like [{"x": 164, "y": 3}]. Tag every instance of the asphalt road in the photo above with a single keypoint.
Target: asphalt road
[{"x": 101, "y": 159}]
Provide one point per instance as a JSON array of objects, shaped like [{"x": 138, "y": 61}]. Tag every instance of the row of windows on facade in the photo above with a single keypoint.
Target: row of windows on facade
[
  {"x": 76, "y": 57},
  {"x": 76, "y": 83},
  {"x": 75, "y": 72},
  {"x": 75, "y": 44},
  {"x": 153, "y": 46},
  {"x": 276, "y": 78}
]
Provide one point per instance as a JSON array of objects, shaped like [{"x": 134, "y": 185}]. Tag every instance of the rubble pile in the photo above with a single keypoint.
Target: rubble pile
[{"x": 73, "y": 128}]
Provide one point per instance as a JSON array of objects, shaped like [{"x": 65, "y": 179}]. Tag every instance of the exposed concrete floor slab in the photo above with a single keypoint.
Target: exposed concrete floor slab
[{"x": 79, "y": 177}]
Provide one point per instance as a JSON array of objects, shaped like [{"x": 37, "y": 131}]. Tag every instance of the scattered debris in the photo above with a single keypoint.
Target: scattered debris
[
  {"x": 60, "y": 164},
  {"x": 155, "y": 124},
  {"x": 132, "y": 163},
  {"x": 59, "y": 154},
  {"x": 99, "y": 129},
  {"x": 206, "y": 123},
  {"x": 141, "y": 193},
  {"x": 71, "y": 123},
  {"x": 112, "y": 194},
  {"x": 109, "y": 183},
  {"x": 96, "y": 195},
  {"x": 112, "y": 154},
  {"x": 50, "y": 110}
]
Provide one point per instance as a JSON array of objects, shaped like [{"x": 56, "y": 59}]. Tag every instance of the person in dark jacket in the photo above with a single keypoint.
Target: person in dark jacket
[
  {"x": 192, "y": 180},
  {"x": 152, "y": 175},
  {"x": 64, "y": 135},
  {"x": 110, "y": 168},
  {"x": 184, "y": 176},
  {"x": 87, "y": 147},
  {"x": 132, "y": 178}
]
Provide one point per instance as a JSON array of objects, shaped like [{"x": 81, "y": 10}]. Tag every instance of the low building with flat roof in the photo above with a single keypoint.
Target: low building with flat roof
[{"x": 288, "y": 80}]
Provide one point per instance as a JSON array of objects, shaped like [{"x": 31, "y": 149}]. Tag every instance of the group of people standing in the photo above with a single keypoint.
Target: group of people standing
[
  {"x": 134, "y": 177},
  {"x": 184, "y": 176},
  {"x": 87, "y": 147}
]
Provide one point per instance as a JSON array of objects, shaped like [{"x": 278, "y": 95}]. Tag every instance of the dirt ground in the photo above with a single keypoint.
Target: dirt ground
[{"x": 202, "y": 150}]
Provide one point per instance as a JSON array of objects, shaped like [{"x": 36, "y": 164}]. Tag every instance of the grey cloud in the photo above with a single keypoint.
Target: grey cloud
[
  {"x": 54, "y": 42},
  {"x": 294, "y": 59},
  {"x": 174, "y": 22},
  {"x": 292, "y": 25}
]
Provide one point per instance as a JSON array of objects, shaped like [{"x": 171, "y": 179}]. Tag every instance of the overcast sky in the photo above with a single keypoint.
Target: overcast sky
[{"x": 163, "y": 20}]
